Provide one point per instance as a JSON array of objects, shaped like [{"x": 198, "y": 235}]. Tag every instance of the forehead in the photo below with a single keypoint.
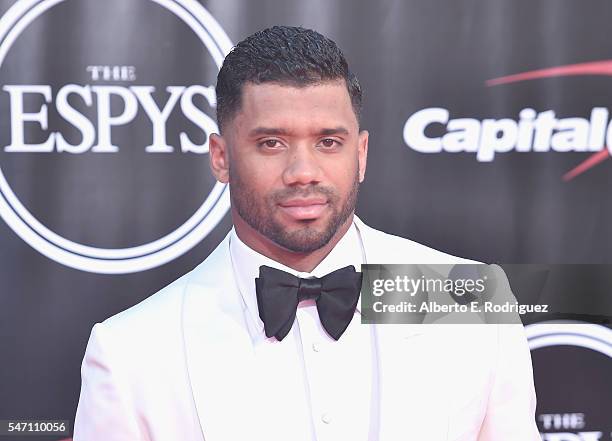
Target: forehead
[{"x": 303, "y": 108}]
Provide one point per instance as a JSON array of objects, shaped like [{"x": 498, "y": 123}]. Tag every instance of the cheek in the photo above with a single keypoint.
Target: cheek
[
  {"x": 256, "y": 180},
  {"x": 342, "y": 174}
]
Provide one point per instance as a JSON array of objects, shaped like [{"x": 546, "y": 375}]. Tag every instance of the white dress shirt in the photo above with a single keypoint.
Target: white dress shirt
[{"x": 326, "y": 388}]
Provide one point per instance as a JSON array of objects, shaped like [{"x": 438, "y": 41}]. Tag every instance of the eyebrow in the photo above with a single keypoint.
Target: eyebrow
[
  {"x": 333, "y": 131},
  {"x": 258, "y": 131}
]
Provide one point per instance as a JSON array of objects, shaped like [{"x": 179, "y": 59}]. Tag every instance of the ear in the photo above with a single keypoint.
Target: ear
[
  {"x": 219, "y": 157},
  {"x": 362, "y": 153}
]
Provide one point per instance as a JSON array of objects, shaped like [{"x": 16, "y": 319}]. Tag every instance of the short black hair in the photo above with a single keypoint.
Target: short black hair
[{"x": 288, "y": 55}]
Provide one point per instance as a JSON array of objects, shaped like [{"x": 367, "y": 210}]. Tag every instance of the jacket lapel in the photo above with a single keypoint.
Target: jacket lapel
[
  {"x": 219, "y": 352},
  {"x": 411, "y": 362}
]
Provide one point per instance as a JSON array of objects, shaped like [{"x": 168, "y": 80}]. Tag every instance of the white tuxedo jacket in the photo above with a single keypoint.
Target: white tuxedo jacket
[{"x": 176, "y": 368}]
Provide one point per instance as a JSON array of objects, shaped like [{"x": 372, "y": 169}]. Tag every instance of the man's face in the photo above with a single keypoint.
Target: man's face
[{"x": 294, "y": 161}]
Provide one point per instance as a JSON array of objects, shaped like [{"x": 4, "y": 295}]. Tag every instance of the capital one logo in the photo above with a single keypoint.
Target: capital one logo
[
  {"x": 533, "y": 131},
  {"x": 92, "y": 112}
]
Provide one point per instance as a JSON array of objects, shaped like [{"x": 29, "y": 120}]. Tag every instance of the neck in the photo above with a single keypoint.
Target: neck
[{"x": 303, "y": 262}]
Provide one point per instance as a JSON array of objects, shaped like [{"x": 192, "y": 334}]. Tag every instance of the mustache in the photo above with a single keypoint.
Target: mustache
[{"x": 295, "y": 192}]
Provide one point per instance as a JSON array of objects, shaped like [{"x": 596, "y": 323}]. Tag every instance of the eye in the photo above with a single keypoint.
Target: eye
[
  {"x": 329, "y": 143},
  {"x": 270, "y": 143}
]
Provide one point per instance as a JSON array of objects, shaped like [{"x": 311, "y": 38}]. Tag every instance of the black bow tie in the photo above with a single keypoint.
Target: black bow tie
[{"x": 278, "y": 295}]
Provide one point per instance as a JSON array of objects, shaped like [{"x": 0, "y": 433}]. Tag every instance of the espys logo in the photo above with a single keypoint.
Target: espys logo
[
  {"x": 110, "y": 111},
  {"x": 532, "y": 132},
  {"x": 586, "y": 425}
]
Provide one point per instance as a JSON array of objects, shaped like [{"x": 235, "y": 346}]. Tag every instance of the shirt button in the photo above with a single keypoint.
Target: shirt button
[
  {"x": 316, "y": 347},
  {"x": 326, "y": 418}
]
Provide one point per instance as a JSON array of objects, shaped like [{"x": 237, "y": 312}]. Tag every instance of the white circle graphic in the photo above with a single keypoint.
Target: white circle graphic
[
  {"x": 124, "y": 260},
  {"x": 586, "y": 335}
]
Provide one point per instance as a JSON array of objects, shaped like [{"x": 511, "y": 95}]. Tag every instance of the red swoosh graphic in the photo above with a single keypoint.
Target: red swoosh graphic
[
  {"x": 603, "y": 67},
  {"x": 589, "y": 162},
  {"x": 593, "y": 68}
]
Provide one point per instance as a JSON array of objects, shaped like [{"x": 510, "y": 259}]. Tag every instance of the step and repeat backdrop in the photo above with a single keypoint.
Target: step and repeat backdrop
[{"x": 490, "y": 139}]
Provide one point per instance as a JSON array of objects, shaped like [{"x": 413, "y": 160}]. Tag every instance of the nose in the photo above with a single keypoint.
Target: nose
[{"x": 302, "y": 168}]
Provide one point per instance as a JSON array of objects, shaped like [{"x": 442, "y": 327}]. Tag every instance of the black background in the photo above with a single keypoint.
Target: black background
[{"x": 408, "y": 54}]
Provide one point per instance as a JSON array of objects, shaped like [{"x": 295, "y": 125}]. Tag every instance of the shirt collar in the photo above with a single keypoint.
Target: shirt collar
[{"x": 246, "y": 263}]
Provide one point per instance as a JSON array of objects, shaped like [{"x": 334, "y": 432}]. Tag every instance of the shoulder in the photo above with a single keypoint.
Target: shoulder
[
  {"x": 150, "y": 333},
  {"x": 162, "y": 310},
  {"x": 388, "y": 248},
  {"x": 157, "y": 308}
]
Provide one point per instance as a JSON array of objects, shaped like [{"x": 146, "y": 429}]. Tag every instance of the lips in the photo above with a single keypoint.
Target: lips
[{"x": 304, "y": 209}]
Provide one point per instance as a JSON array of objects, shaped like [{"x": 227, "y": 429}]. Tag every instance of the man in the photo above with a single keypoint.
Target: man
[{"x": 197, "y": 361}]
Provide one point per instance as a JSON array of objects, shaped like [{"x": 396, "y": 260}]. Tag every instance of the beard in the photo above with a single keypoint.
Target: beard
[{"x": 259, "y": 213}]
